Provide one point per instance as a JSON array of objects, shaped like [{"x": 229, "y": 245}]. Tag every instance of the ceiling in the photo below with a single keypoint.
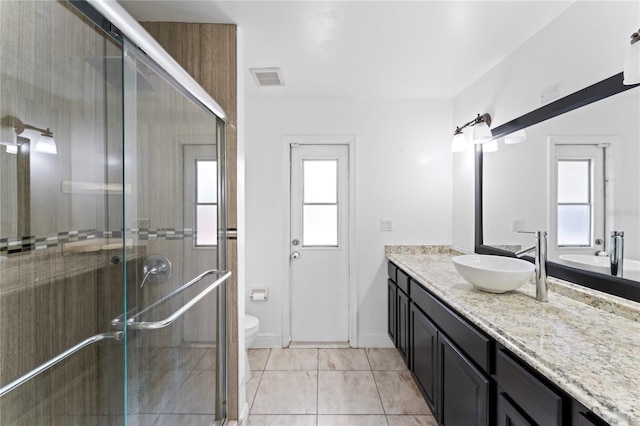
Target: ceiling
[{"x": 367, "y": 49}]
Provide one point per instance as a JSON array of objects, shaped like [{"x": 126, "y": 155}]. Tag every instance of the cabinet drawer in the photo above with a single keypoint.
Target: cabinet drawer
[
  {"x": 402, "y": 280},
  {"x": 539, "y": 401},
  {"x": 473, "y": 343},
  {"x": 391, "y": 268}
]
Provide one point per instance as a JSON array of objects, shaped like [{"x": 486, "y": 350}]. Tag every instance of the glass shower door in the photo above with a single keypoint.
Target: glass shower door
[
  {"x": 62, "y": 255},
  {"x": 175, "y": 309}
]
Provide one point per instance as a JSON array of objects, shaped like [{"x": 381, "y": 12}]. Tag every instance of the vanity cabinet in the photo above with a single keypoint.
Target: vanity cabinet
[
  {"x": 398, "y": 310},
  {"x": 424, "y": 355},
  {"x": 465, "y": 389},
  {"x": 465, "y": 376},
  {"x": 392, "y": 295},
  {"x": 508, "y": 414},
  {"x": 528, "y": 395},
  {"x": 448, "y": 357}
]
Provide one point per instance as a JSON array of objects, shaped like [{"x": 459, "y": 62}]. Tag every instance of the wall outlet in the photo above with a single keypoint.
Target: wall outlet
[
  {"x": 550, "y": 93},
  {"x": 386, "y": 225},
  {"x": 517, "y": 224}
]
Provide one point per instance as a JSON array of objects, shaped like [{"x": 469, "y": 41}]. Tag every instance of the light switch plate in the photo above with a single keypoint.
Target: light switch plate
[
  {"x": 386, "y": 225},
  {"x": 517, "y": 224}
]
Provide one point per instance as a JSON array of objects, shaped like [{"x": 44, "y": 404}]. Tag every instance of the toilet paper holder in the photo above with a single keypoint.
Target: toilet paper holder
[{"x": 258, "y": 294}]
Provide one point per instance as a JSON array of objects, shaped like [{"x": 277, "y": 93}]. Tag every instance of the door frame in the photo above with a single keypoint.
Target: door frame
[
  {"x": 609, "y": 157},
  {"x": 350, "y": 142}
]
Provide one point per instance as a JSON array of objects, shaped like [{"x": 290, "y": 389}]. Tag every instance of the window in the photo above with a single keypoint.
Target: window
[
  {"x": 320, "y": 203},
  {"x": 206, "y": 234},
  {"x": 575, "y": 202}
]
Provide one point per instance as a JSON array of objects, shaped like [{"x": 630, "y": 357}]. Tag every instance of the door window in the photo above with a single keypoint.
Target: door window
[{"x": 320, "y": 203}]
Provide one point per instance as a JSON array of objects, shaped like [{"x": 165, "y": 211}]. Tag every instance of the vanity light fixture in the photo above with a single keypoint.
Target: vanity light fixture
[
  {"x": 43, "y": 143},
  {"x": 477, "y": 130},
  {"x": 632, "y": 64},
  {"x": 459, "y": 142}
]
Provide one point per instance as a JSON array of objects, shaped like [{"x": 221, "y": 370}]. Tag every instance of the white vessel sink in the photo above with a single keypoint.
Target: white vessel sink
[
  {"x": 495, "y": 274},
  {"x": 601, "y": 264}
]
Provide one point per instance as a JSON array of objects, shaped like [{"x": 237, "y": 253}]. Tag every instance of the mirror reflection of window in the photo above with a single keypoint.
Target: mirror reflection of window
[{"x": 575, "y": 202}]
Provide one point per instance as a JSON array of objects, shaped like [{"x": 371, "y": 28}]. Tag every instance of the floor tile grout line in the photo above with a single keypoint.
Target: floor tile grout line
[
  {"x": 259, "y": 383},
  {"x": 317, "y": 387}
]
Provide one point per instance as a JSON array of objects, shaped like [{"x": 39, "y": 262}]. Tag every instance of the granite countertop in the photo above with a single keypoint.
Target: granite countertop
[{"x": 586, "y": 342}]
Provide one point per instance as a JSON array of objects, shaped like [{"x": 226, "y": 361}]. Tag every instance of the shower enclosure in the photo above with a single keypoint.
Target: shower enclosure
[{"x": 112, "y": 229}]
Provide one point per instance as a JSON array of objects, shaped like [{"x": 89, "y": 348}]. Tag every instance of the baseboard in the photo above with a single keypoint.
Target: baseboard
[
  {"x": 244, "y": 415},
  {"x": 374, "y": 341},
  {"x": 267, "y": 341}
]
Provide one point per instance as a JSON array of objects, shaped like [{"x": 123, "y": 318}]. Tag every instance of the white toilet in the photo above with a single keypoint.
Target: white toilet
[{"x": 251, "y": 327}]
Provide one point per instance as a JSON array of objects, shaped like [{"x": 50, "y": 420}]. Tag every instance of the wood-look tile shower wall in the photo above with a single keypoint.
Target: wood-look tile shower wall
[
  {"x": 50, "y": 299},
  {"x": 208, "y": 53}
]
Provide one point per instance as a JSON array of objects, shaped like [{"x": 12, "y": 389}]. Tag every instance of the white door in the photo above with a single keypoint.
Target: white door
[
  {"x": 578, "y": 213},
  {"x": 319, "y": 243}
]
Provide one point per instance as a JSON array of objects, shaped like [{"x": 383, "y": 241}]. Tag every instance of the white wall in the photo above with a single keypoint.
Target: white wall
[
  {"x": 584, "y": 45},
  {"x": 403, "y": 172}
]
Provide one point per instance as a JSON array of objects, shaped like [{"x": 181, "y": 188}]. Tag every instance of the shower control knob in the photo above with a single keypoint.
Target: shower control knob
[{"x": 295, "y": 255}]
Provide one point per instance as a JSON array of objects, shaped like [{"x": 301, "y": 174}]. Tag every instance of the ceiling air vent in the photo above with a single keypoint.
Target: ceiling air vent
[{"x": 267, "y": 76}]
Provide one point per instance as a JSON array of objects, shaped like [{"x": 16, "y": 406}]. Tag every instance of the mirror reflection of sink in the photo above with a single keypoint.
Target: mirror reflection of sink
[
  {"x": 601, "y": 264},
  {"x": 495, "y": 274}
]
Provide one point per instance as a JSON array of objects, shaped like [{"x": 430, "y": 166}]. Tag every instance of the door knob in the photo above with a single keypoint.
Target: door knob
[{"x": 295, "y": 255}]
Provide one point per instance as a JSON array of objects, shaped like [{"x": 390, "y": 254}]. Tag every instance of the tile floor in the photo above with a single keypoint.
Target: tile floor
[{"x": 333, "y": 387}]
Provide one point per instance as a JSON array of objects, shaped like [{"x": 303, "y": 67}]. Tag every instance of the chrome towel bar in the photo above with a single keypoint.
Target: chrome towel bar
[
  {"x": 152, "y": 325},
  {"x": 117, "y": 335}
]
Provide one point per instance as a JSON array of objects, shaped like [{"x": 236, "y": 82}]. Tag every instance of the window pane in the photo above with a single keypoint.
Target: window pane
[
  {"x": 573, "y": 181},
  {"x": 320, "y": 226},
  {"x": 574, "y": 225},
  {"x": 320, "y": 180},
  {"x": 207, "y": 182},
  {"x": 206, "y": 225}
]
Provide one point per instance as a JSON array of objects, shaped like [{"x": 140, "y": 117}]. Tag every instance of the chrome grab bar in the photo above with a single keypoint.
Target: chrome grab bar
[
  {"x": 118, "y": 335},
  {"x": 152, "y": 325}
]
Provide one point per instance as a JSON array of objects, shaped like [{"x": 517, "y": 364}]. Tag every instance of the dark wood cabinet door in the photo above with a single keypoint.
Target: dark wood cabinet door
[
  {"x": 465, "y": 393},
  {"x": 424, "y": 355},
  {"x": 402, "y": 326},
  {"x": 508, "y": 414},
  {"x": 392, "y": 294}
]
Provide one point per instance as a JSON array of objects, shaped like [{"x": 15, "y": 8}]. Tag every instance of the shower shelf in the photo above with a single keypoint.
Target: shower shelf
[{"x": 152, "y": 325}]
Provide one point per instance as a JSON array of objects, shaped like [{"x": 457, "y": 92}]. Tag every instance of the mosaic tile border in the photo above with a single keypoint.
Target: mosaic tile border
[{"x": 32, "y": 242}]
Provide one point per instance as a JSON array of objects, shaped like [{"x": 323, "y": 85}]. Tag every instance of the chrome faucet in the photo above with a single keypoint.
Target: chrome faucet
[
  {"x": 540, "y": 248},
  {"x": 617, "y": 253}
]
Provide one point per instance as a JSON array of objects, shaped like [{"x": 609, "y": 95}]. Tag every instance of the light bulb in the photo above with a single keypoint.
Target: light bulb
[
  {"x": 459, "y": 143},
  {"x": 8, "y": 135},
  {"x": 481, "y": 133},
  {"x": 46, "y": 145},
  {"x": 632, "y": 64}
]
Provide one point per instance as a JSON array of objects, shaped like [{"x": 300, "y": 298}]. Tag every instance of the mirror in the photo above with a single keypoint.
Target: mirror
[{"x": 576, "y": 176}]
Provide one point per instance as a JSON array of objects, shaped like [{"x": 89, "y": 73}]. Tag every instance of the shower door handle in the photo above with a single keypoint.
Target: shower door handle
[
  {"x": 153, "y": 325},
  {"x": 118, "y": 335}
]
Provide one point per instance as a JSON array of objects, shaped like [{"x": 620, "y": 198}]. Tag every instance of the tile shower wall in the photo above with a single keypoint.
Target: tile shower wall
[
  {"x": 48, "y": 303},
  {"x": 51, "y": 300}
]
